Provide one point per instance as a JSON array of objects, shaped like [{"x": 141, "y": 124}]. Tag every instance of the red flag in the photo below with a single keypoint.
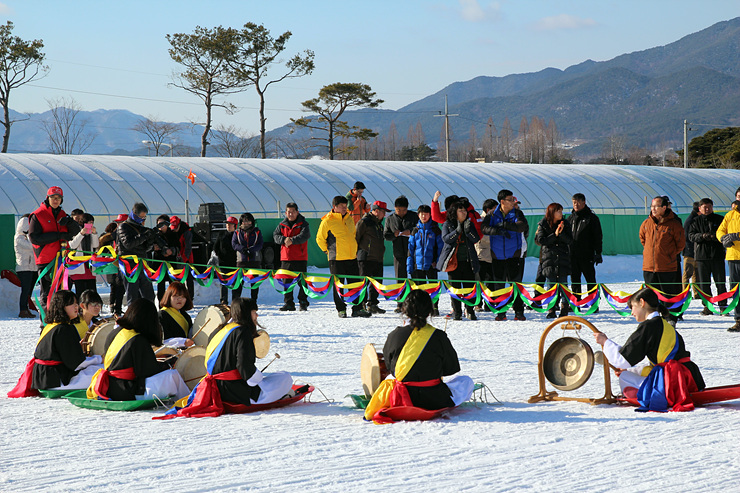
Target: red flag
[{"x": 191, "y": 177}]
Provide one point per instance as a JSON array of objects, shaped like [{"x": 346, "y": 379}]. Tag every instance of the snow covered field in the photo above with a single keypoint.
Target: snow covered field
[{"x": 51, "y": 445}]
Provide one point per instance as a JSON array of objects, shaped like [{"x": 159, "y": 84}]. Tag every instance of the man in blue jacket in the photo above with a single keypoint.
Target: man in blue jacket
[{"x": 505, "y": 225}]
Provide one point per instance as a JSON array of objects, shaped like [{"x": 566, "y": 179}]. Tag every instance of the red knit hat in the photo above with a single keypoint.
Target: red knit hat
[{"x": 55, "y": 191}]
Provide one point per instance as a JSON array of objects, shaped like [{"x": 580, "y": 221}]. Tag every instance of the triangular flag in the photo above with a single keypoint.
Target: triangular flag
[{"x": 191, "y": 177}]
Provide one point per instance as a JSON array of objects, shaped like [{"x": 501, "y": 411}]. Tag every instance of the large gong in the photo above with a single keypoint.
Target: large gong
[{"x": 568, "y": 363}]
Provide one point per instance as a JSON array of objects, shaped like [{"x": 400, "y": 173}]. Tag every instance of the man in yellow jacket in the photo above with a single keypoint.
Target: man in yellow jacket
[
  {"x": 336, "y": 237},
  {"x": 729, "y": 234}
]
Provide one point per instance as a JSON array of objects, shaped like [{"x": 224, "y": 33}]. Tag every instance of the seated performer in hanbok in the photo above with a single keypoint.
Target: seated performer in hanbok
[
  {"x": 58, "y": 362},
  {"x": 667, "y": 380},
  {"x": 173, "y": 315},
  {"x": 231, "y": 374},
  {"x": 418, "y": 356},
  {"x": 130, "y": 368},
  {"x": 90, "y": 305}
]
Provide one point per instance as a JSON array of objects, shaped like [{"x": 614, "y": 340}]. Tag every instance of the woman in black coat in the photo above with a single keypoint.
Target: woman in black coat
[
  {"x": 555, "y": 237},
  {"x": 459, "y": 236}
]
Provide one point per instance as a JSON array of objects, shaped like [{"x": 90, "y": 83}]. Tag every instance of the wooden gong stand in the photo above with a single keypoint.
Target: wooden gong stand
[{"x": 570, "y": 323}]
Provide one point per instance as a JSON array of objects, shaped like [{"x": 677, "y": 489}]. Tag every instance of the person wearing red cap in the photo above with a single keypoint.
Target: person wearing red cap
[
  {"x": 182, "y": 236},
  {"x": 49, "y": 229},
  {"x": 226, "y": 254}
]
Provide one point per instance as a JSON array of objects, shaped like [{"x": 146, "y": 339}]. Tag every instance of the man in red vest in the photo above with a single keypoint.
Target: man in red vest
[
  {"x": 49, "y": 229},
  {"x": 292, "y": 235}
]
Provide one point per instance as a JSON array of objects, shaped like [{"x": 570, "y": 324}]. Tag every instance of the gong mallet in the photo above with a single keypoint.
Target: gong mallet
[
  {"x": 277, "y": 356},
  {"x": 599, "y": 359}
]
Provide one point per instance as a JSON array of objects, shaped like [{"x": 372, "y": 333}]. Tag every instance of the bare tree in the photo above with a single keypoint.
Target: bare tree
[
  {"x": 613, "y": 150},
  {"x": 234, "y": 142},
  {"x": 204, "y": 54},
  {"x": 65, "y": 128},
  {"x": 157, "y": 132},
  {"x": 20, "y": 63},
  {"x": 257, "y": 51}
]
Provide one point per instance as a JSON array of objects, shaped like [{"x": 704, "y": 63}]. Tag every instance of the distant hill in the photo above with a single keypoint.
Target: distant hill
[
  {"x": 111, "y": 127},
  {"x": 644, "y": 96}
]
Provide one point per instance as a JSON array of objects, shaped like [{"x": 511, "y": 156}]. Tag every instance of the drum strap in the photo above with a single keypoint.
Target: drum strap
[{"x": 23, "y": 387}]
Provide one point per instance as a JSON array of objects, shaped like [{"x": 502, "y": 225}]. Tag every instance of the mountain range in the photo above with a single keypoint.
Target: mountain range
[{"x": 642, "y": 96}]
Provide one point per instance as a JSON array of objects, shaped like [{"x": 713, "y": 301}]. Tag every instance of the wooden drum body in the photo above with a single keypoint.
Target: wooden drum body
[
  {"x": 372, "y": 369},
  {"x": 96, "y": 337},
  {"x": 207, "y": 323},
  {"x": 191, "y": 365}
]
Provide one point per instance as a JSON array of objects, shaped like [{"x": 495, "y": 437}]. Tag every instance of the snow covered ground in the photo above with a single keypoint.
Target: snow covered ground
[{"x": 51, "y": 445}]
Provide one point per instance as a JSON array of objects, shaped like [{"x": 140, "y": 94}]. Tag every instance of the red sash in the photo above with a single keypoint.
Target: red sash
[
  {"x": 400, "y": 394},
  {"x": 679, "y": 383},
  {"x": 23, "y": 387},
  {"x": 102, "y": 382},
  {"x": 205, "y": 400}
]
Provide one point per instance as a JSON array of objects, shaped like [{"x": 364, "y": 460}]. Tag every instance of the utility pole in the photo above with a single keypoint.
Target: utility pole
[
  {"x": 447, "y": 131},
  {"x": 686, "y": 144}
]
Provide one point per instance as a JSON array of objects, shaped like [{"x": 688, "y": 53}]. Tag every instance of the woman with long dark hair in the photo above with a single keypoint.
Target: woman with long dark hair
[
  {"x": 459, "y": 236},
  {"x": 418, "y": 356},
  {"x": 58, "y": 361},
  {"x": 173, "y": 315},
  {"x": 669, "y": 365},
  {"x": 131, "y": 370},
  {"x": 555, "y": 237}
]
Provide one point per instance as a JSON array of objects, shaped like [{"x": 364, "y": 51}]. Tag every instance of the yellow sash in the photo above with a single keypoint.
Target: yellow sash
[
  {"x": 216, "y": 340},
  {"x": 115, "y": 347},
  {"x": 47, "y": 329},
  {"x": 415, "y": 344},
  {"x": 82, "y": 328},
  {"x": 177, "y": 317},
  {"x": 668, "y": 341}
]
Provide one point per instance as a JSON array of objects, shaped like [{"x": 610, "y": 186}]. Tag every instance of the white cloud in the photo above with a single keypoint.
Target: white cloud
[
  {"x": 563, "y": 21},
  {"x": 473, "y": 11},
  {"x": 5, "y": 10}
]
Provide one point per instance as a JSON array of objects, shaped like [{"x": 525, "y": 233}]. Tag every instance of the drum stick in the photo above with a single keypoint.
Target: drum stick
[
  {"x": 277, "y": 356},
  {"x": 599, "y": 358},
  {"x": 201, "y": 328}
]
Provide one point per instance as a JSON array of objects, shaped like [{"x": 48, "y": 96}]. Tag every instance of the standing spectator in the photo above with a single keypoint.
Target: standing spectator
[
  {"x": 336, "y": 238},
  {"x": 49, "y": 229},
  {"x": 114, "y": 280},
  {"x": 25, "y": 266},
  {"x": 737, "y": 194},
  {"x": 525, "y": 235},
  {"x": 709, "y": 253},
  {"x": 182, "y": 236},
  {"x": 663, "y": 238},
  {"x": 689, "y": 264},
  {"x": 292, "y": 235},
  {"x": 555, "y": 235},
  {"x": 136, "y": 239},
  {"x": 226, "y": 254},
  {"x": 370, "y": 250},
  {"x": 356, "y": 204},
  {"x": 440, "y": 216},
  {"x": 397, "y": 230},
  {"x": 505, "y": 225},
  {"x": 459, "y": 236},
  {"x": 729, "y": 234},
  {"x": 87, "y": 242},
  {"x": 585, "y": 251},
  {"x": 76, "y": 214},
  {"x": 483, "y": 248},
  {"x": 163, "y": 230},
  {"x": 247, "y": 243},
  {"x": 425, "y": 245}
]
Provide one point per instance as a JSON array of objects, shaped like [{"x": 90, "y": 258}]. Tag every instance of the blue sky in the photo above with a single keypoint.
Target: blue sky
[{"x": 113, "y": 55}]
